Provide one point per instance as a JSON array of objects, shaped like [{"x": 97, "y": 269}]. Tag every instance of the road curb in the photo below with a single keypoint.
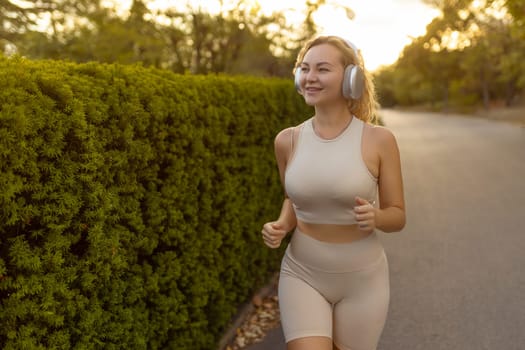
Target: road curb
[{"x": 245, "y": 311}]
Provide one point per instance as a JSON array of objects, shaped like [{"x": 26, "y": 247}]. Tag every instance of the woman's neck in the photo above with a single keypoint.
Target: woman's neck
[
  {"x": 330, "y": 121},
  {"x": 332, "y": 116}
]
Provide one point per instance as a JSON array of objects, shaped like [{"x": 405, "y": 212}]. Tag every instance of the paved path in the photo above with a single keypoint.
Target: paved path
[{"x": 457, "y": 269}]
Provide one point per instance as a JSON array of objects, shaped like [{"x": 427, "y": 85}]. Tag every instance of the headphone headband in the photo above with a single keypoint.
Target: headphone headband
[{"x": 351, "y": 45}]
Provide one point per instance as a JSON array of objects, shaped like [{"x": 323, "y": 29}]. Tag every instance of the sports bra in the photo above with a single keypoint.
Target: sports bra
[{"x": 323, "y": 177}]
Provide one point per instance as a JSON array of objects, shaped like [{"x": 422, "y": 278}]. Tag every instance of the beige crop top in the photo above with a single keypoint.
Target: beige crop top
[{"x": 323, "y": 177}]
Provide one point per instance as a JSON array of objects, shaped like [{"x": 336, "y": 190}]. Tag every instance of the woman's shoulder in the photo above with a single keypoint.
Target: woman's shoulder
[
  {"x": 382, "y": 140},
  {"x": 287, "y": 138},
  {"x": 380, "y": 134},
  {"x": 283, "y": 138},
  {"x": 285, "y": 135}
]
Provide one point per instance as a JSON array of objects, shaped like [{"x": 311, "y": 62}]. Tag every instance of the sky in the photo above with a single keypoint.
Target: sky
[{"x": 380, "y": 28}]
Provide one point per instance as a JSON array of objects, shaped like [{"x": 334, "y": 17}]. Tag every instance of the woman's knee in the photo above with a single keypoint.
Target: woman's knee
[{"x": 311, "y": 343}]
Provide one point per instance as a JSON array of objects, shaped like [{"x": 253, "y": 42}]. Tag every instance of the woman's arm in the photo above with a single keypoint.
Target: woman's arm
[
  {"x": 274, "y": 232},
  {"x": 390, "y": 217},
  {"x": 283, "y": 145}
]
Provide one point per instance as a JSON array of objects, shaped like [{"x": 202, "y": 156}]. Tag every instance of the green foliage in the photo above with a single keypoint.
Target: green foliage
[
  {"x": 131, "y": 201},
  {"x": 470, "y": 55},
  {"x": 182, "y": 38}
]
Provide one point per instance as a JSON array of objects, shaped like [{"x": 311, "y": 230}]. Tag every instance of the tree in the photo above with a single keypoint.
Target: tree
[
  {"x": 88, "y": 31},
  {"x": 490, "y": 43},
  {"x": 238, "y": 39},
  {"x": 513, "y": 62},
  {"x": 473, "y": 52},
  {"x": 16, "y": 20}
]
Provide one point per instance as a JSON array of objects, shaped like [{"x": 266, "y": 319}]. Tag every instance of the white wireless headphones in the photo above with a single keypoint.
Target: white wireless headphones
[{"x": 353, "y": 80}]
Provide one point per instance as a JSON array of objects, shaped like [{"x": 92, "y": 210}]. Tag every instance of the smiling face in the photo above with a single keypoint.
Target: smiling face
[{"x": 322, "y": 75}]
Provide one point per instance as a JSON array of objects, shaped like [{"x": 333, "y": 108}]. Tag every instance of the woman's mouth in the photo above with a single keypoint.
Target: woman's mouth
[{"x": 313, "y": 89}]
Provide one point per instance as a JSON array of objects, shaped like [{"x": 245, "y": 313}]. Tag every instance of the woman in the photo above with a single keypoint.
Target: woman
[{"x": 334, "y": 286}]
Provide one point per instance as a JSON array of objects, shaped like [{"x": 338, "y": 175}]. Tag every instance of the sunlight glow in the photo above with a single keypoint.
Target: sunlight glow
[
  {"x": 381, "y": 30},
  {"x": 455, "y": 40}
]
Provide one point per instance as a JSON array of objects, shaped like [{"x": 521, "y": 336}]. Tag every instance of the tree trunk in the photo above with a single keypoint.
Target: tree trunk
[
  {"x": 510, "y": 91},
  {"x": 445, "y": 97},
  {"x": 485, "y": 90}
]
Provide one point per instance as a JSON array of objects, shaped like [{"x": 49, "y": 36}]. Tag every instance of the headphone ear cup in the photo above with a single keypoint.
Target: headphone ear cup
[
  {"x": 353, "y": 82},
  {"x": 297, "y": 80}
]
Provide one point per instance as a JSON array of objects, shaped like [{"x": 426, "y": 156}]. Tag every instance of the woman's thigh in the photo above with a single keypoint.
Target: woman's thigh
[
  {"x": 359, "y": 318},
  {"x": 304, "y": 311}
]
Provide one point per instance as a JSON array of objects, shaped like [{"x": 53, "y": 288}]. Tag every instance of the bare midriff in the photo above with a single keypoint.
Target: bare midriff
[{"x": 331, "y": 233}]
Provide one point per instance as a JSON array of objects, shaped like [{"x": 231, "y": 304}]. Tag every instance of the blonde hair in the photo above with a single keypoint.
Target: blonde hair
[{"x": 365, "y": 106}]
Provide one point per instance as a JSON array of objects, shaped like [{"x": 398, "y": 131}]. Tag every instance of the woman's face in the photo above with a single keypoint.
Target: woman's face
[{"x": 322, "y": 75}]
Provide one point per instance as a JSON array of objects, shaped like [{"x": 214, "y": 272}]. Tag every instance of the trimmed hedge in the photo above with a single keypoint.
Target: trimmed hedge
[{"x": 131, "y": 202}]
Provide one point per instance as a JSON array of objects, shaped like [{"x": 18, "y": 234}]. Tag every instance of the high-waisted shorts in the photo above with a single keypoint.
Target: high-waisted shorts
[{"x": 335, "y": 290}]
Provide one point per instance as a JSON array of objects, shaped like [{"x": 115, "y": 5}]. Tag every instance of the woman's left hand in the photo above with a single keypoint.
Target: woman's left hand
[{"x": 365, "y": 215}]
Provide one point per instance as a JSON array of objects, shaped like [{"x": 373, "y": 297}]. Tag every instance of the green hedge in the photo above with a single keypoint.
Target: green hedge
[{"x": 131, "y": 202}]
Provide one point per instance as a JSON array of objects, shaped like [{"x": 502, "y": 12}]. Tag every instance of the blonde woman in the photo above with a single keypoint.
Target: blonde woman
[{"x": 335, "y": 167}]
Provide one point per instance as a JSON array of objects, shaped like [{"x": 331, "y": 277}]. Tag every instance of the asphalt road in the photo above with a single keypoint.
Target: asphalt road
[{"x": 457, "y": 270}]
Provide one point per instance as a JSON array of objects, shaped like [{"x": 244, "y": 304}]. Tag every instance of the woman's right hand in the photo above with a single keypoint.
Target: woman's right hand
[{"x": 273, "y": 233}]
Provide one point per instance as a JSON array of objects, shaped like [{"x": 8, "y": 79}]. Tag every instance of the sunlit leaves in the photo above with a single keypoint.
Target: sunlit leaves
[{"x": 472, "y": 54}]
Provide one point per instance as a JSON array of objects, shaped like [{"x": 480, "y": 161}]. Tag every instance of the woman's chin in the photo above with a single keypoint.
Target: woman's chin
[
  {"x": 310, "y": 103},
  {"x": 311, "y": 100}
]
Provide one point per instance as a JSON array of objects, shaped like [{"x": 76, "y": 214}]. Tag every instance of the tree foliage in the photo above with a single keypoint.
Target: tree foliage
[
  {"x": 15, "y": 19},
  {"x": 238, "y": 39},
  {"x": 473, "y": 53}
]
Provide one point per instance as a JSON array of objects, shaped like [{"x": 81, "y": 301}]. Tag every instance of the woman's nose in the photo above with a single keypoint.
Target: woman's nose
[{"x": 311, "y": 75}]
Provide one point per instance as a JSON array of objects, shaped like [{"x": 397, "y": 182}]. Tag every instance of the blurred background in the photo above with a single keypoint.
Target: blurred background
[{"x": 439, "y": 54}]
